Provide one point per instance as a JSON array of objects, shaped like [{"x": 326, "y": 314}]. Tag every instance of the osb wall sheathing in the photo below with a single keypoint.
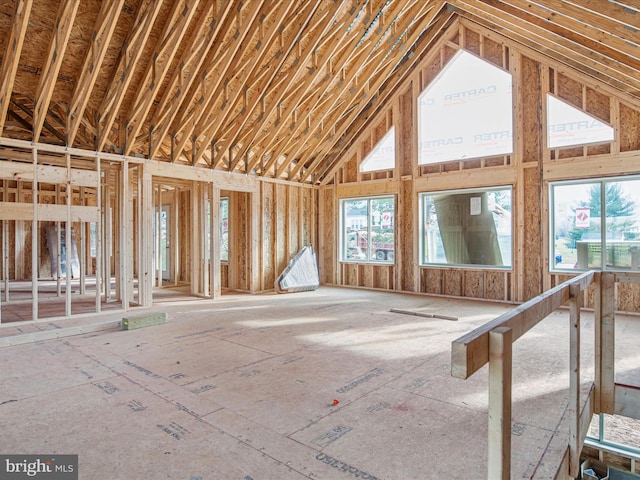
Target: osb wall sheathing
[
  {"x": 287, "y": 216},
  {"x": 527, "y": 170}
]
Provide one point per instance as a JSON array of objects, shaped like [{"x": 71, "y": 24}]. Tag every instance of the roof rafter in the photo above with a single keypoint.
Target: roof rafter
[
  {"x": 166, "y": 48},
  {"x": 553, "y": 45},
  {"x": 103, "y": 31},
  {"x": 230, "y": 58},
  {"x": 129, "y": 58},
  {"x": 234, "y": 129},
  {"x": 413, "y": 30},
  {"x": 66, "y": 15},
  {"x": 12, "y": 52},
  {"x": 354, "y": 50},
  {"x": 288, "y": 85},
  {"x": 339, "y": 152},
  {"x": 195, "y": 55},
  {"x": 378, "y": 71},
  {"x": 211, "y": 127}
]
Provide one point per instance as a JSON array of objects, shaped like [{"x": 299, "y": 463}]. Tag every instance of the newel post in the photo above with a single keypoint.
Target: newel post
[{"x": 500, "y": 359}]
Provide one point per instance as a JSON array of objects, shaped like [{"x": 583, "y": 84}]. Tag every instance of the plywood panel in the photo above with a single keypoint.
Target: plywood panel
[
  {"x": 404, "y": 134},
  {"x": 351, "y": 169},
  {"x": 628, "y": 297},
  {"x": 365, "y": 275},
  {"x": 493, "y": 52},
  {"x": 184, "y": 202},
  {"x": 306, "y": 221},
  {"x": 327, "y": 235},
  {"x": 452, "y": 282},
  {"x": 281, "y": 212},
  {"x": 350, "y": 274},
  {"x": 267, "y": 235},
  {"x": 495, "y": 285},
  {"x": 472, "y": 41},
  {"x": 406, "y": 211},
  {"x": 569, "y": 90},
  {"x": 431, "y": 280},
  {"x": 381, "y": 277},
  {"x": 598, "y": 104},
  {"x": 473, "y": 284},
  {"x": 629, "y": 128},
  {"x": 532, "y": 235},
  {"x": 530, "y": 98}
]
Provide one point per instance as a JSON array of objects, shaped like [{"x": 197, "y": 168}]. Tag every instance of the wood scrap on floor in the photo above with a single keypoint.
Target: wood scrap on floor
[{"x": 418, "y": 313}]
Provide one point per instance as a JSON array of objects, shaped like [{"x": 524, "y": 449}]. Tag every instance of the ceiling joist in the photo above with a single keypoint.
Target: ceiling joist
[{"x": 279, "y": 89}]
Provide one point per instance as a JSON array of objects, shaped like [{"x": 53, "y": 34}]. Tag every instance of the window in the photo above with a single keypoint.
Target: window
[
  {"x": 224, "y": 229},
  {"x": 466, "y": 112},
  {"x": 586, "y": 237},
  {"x": 466, "y": 227},
  {"x": 383, "y": 156},
  {"x": 568, "y": 125},
  {"x": 368, "y": 229}
]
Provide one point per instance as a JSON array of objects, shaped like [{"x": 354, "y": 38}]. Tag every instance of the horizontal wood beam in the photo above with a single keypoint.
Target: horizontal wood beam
[
  {"x": 222, "y": 179},
  {"x": 470, "y": 352},
  {"x": 79, "y": 152},
  {"x": 48, "y": 212}
]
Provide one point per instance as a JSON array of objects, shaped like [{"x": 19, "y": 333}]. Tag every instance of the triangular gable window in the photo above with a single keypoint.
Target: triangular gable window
[
  {"x": 568, "y": 125},
  {"x": 466, "y": 112},
  {"x": 383, "y": 156}
]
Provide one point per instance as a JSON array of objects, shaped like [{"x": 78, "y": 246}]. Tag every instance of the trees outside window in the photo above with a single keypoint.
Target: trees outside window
[{"x": 596, "y": 224}]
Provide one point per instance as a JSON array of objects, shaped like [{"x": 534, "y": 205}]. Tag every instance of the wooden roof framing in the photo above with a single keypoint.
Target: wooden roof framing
[{"x": 267, "y": 87}]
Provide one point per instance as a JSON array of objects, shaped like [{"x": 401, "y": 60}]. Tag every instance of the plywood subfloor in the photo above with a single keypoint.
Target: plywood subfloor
[{"x": 315, "y": 385}]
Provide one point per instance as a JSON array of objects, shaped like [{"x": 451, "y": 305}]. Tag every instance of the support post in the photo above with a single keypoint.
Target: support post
[
  {"x": 500, "y": 360},
  {"x": 123, "y": 271},
  {"x": 575, "y": 435},
  {"x": 35, "y": 230},
  {"x": 607, "y": 343},
  {"x": 145, "y": 273},
  {"x": 68, "y": 239},
  {"x": 216, "y": 288},
  {"x": 99, "y": 230},
  {"x": 158, "y": 229}
]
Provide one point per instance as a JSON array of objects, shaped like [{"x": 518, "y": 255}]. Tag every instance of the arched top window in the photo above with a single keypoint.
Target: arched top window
[{"x": 466, "y": 112}]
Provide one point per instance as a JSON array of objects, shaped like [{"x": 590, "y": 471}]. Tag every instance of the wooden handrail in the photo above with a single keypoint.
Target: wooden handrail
[
  {"x": 491, "y": 343},
  {"x": 470, "y": 352}
]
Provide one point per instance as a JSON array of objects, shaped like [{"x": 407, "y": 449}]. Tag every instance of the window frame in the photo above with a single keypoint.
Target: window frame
[
  {"x": 342, "y": 246},
  {"x": 224, "y": 199},
  {"x": 603, "y": 222},
  {"x": 468, "y": 266}
]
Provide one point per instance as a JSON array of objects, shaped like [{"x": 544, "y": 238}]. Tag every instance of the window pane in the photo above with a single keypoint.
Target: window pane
[
  {"x": 622, "y": 213},
  {"x": 355, "y": 222},
  {"x": 467, "y": 228},
  {"x": 577, "y": 230},
  {"x": 224, "y": 229},
  {"x": 382, "y": 239},
  {"x": 368, "y": 229}
]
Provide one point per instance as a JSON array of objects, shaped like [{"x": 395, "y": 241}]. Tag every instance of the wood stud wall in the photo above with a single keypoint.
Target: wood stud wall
[
  {"x": 271, "y": 218},
  {"x": 528, "y": 170}
]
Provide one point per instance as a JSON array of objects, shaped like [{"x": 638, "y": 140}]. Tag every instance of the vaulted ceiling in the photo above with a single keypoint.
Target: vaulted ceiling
[{"x": 273, "y": 87}]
